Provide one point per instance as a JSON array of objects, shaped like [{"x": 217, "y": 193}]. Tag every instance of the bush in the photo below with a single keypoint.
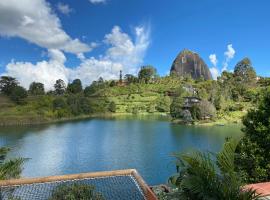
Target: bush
[
  {"x": 18, "y": 95},
  {"x": 112, "y": 107},
  {"x": 176, "y": 107},
  {"x": 75, "y": 192},
  {"x": 203, "y": 110},
  {"x": 253, "y": 150},
  {"x": 59, "y": 103}
]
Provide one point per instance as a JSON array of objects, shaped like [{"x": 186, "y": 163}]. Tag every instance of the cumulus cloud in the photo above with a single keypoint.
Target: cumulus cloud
[
  {"x": 229, "y": 55},
  {"x": 97, "y": 1},
  {"x": 64, "y": 8},
  {"x": 34, "y": 21},
  {"x": 214, "y": 70},
  {"x": 213, "y": 59},
  {"x": 123, "y": 53},
  {"x": 46, "y": 72}
]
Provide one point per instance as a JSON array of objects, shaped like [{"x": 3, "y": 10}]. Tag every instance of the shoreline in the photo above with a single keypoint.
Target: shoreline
[{"x": 44, "y": 121}]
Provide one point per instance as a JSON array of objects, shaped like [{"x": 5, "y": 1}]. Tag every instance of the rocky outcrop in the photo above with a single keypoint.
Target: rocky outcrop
[{"x": 190, "y": 63}]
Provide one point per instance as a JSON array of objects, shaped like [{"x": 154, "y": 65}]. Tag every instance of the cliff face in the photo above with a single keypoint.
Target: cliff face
[{"x": 190, "y": 63}]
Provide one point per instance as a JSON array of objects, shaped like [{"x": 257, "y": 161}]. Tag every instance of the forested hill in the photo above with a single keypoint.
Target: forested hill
[{"x": 226, "y": 99}]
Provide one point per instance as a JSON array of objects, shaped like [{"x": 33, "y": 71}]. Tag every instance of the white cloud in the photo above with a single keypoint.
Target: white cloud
[
  {"x": 97, "y": 1},
  {"x": 46, "y": 72},
  {"x": 123, "y": 53},
  {"x": 34, "y": 21},
  {"x": 214, "y": 70},
  {"x": 229, "y": 55},
  {"x": 213, "y": 59},
  {"x": 64, "y": 8}
]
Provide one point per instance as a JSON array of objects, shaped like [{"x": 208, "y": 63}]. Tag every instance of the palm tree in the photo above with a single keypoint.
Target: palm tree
[
  {"x": 209, "y": 176},
  {"x": 9, "y": 168}
]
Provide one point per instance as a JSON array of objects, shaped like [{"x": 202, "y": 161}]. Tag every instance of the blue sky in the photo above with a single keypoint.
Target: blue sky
[{"x": 42, "y": 40}]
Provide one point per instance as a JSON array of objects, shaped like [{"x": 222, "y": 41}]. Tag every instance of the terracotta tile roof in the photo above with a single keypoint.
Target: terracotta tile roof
[{"x": 261, "y": 188}]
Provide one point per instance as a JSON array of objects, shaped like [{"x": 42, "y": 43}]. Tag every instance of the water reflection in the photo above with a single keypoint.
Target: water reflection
[{"x": 108, "y": 144}]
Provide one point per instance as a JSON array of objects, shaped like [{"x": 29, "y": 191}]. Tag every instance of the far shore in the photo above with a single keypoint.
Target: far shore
[{"x": 40, "y": 121}]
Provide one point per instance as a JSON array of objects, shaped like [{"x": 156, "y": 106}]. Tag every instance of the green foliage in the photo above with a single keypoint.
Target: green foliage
[
  {"x": 112, "y": 107},
  {"x": 18, "y": 95},
  {"x": 204, "y": 176},
  {"x": 75, "y": 192},
  {"x": 253, "y": 159},
  {"x": 95, "y": 87},
  {"x": 7, "y": 84},
  {"x": 244, "y": 72},
  {"x": 36, "y": 88},
  {"x": 9, "y": 168},
  {"x": 163, "y": 104},
  {"x": 146, "y": 74},
  {"x": 59, "y": 103},
  {"x": 78, "y": 105},
  {"x": 204, "y": 109},
  {"x": 129, "y": 79},
  {"x": 176, "y": 107},
  {"x": 60, "y": 87},
  {"x": 75, "y": 87}
]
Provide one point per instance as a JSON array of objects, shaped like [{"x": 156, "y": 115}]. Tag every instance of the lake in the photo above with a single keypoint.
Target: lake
[{"x": 145, "y": 144}]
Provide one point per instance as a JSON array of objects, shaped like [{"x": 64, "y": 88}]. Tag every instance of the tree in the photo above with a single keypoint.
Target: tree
[
  {"x": 36, "y": 88},
  {"x": 60, "y": 87},
  {"x": 204, "y": 109},
  {"x": 10, "y": 168},
  {"x": 75, "y": 191},
  {"x": 7, "y": 84},
  {"x": 176, "y": 107},
  {"x": 147, "y": 73},
  {"x": 59, "y": 103},
  {"x": 129, "y": 78},
  {"x": 112, "y": 83},
  {"x": 112, "y": 107},
  {"x": 163, "y": 104},
  {"x": 253, "y": 158},
  {"x": 120, "y": 77},
  {"x": 245, "y": 72},
  {"x": 75, "y": 87},
  {"x": 204, "y": 176},
  {"x": 18, "y": 94}
]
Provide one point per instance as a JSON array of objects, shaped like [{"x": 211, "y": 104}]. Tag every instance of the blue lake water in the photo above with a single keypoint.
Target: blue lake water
[{"x": 109, "y": 144}]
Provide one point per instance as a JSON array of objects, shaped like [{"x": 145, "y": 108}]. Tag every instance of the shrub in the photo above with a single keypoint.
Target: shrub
[
  {"x": 75, "y": 192},
  {"x": 253, "y": 150},
  {"x": 112, "y": 107},
  {"x": 18, "y": 95}
]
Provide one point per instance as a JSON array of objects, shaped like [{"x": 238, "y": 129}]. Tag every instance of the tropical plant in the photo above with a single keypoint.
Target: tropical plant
[
  {"x": 10, "y": 168},
  {"x": 75, "y": 192},
  {"x": 204, "y": 176},
  {"x": 253, "y": 158}
]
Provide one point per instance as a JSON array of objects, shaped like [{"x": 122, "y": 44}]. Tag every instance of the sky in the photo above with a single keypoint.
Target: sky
[{"x": 46, "y": 40}]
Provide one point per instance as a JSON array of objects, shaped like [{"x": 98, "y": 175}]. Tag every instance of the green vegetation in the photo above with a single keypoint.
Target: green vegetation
[
  {"x": 224, "y": 100},
  {"x": 10, "y": 168},
  {"x": 75, "y": 192},
  {"x": 209, "y": 176},
  {"x": 253, "y": 159}
]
